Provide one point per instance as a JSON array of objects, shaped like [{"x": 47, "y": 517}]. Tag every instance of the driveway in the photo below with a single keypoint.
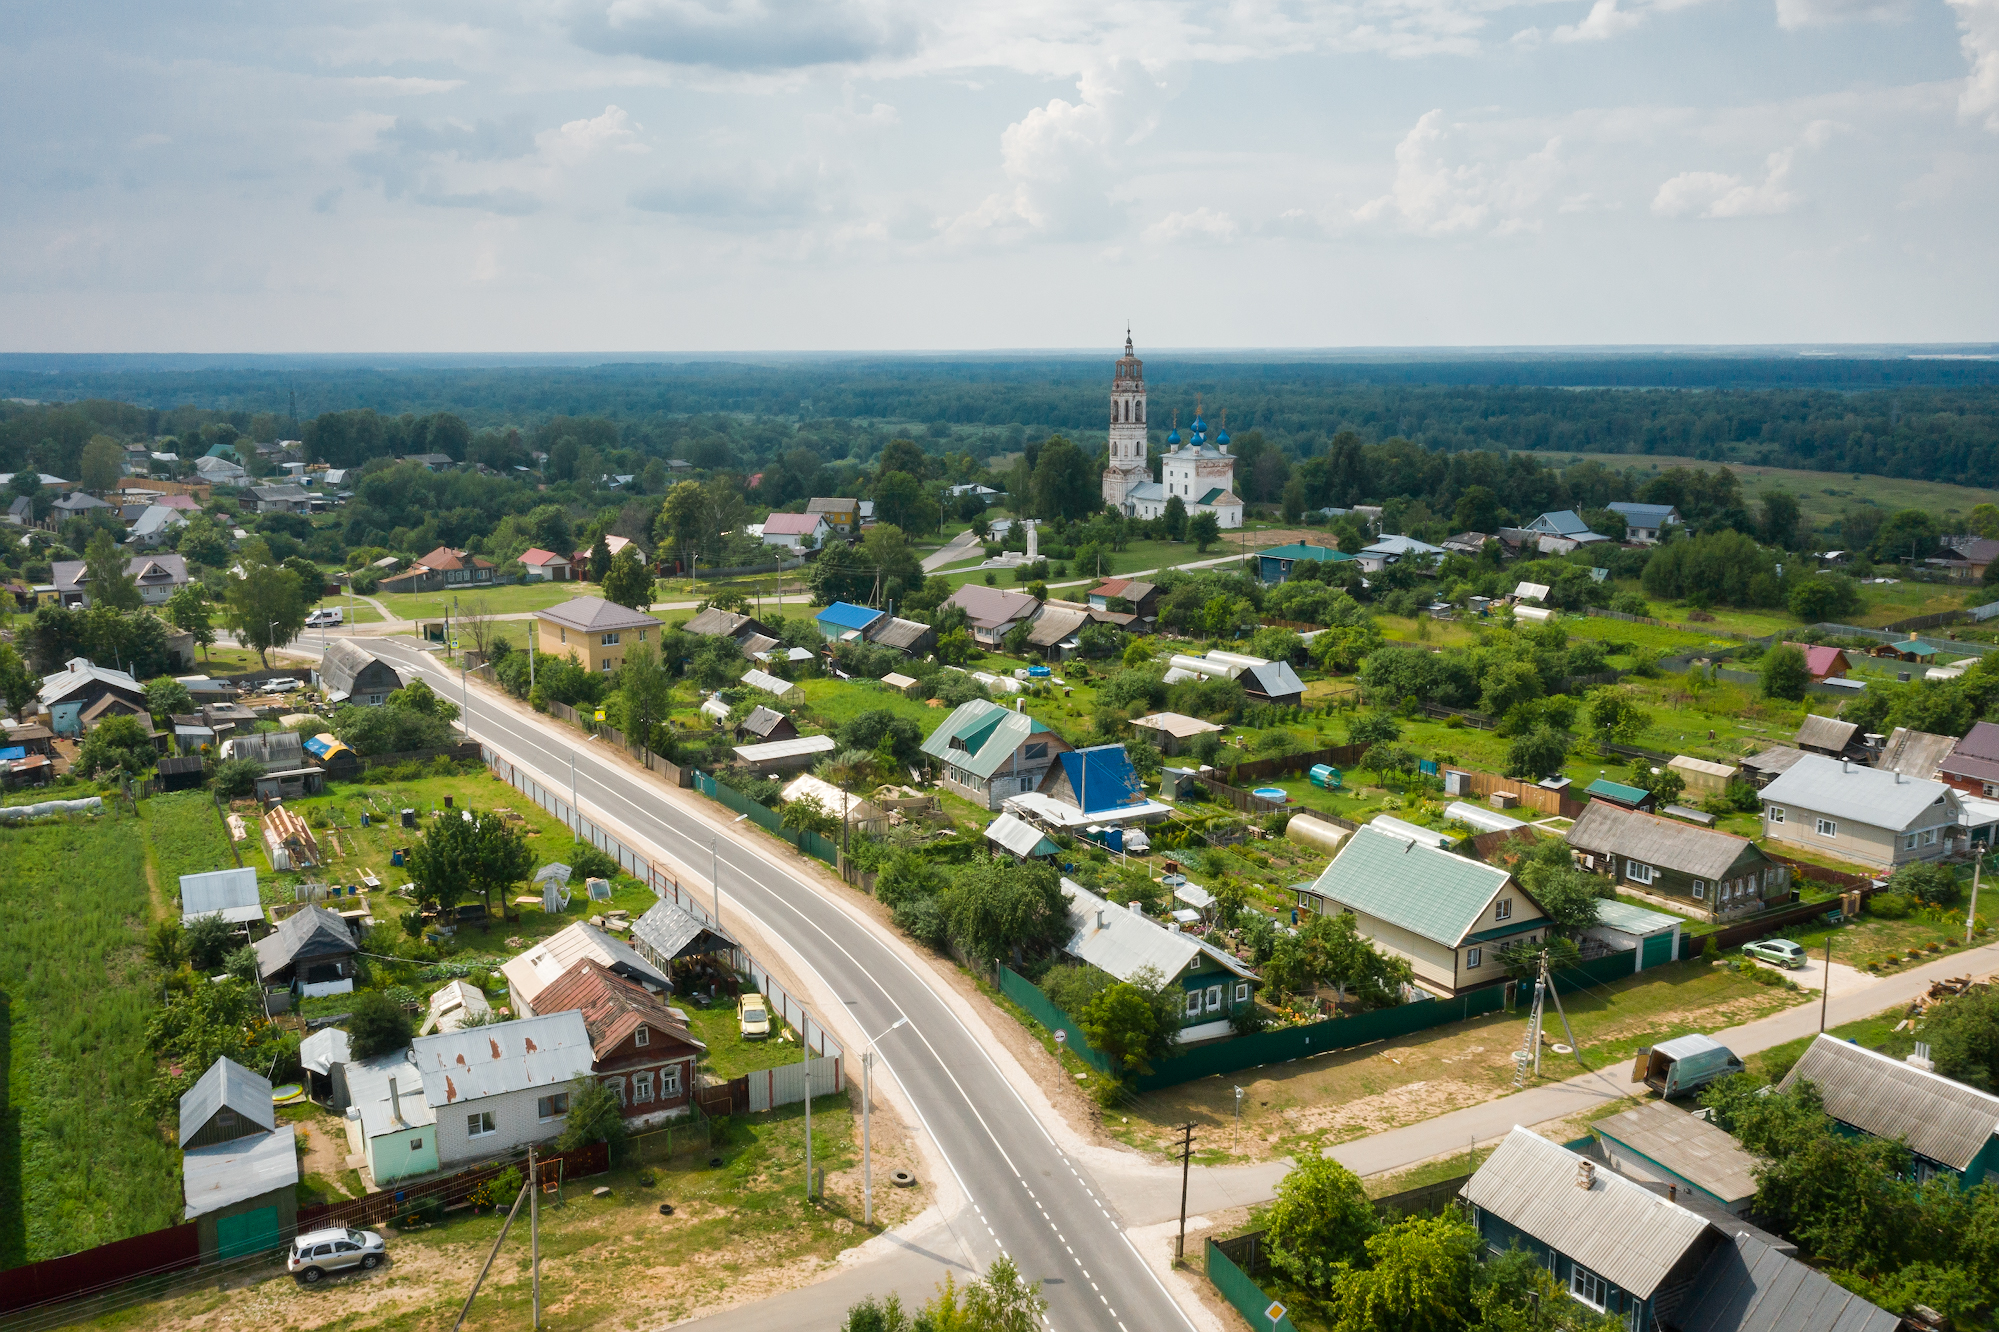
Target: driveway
[{"x": 1812, "y": 975}]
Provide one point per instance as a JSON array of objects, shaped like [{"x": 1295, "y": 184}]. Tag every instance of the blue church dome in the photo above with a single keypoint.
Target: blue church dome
[
  {"x": 1222, "y": 437},
  {"x": 1172, "y": 437},
  {"x": 1199, "y": 426}
]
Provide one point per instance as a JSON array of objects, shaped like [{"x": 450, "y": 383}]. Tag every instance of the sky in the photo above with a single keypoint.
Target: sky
[{"x": 703, "y": 175}]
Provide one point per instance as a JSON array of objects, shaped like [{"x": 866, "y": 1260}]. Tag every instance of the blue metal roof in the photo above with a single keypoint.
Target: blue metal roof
[
  {"x": 848, "y": 616},
  {"x": 1102, "y": 776}
]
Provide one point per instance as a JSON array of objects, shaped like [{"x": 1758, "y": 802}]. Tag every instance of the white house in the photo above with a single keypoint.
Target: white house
[
  {"x": 794, "y": 531},
  {"x": 502, "y": 1086},
  {"x": 1645, "y": 523},
  {"x": 1870, "y": 815},
  {"x": 1201, "y": 475}
]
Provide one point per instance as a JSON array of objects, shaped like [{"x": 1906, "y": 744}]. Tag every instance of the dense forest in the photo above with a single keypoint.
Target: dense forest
[{"x": 1929, "y": 419}]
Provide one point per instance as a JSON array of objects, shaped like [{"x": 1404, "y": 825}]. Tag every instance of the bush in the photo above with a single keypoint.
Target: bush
[
  {"x": 235, "y": 777},
  {"x": 377, "y": 1025},
  {"x": 590, "y": 863},
  {"x": 1888, "y": 906}
]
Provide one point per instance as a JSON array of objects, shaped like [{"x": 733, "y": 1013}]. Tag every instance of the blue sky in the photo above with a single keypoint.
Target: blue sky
[{"x": 863, "y": 174}]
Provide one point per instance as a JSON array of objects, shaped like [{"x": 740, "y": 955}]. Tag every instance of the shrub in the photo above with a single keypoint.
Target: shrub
[{"x": 1888, "y": 906}]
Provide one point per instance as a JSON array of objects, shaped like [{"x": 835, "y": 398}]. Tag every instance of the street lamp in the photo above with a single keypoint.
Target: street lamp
[{"x": 867, "y": 1103}]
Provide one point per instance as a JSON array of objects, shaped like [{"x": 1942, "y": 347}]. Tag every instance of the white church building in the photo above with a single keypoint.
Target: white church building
[{"x": 1200, "y": 473}]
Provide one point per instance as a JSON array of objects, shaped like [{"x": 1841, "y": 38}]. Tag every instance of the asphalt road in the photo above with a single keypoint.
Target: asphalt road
[{"x": 1027, "y": 1198}]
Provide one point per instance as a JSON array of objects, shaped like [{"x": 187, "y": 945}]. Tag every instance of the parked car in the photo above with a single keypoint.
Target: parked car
[
  {"x": 283, "y": 684},
  {"x": 752, "y": 1015},
  {"x": 1684, "y": 1064},
  {"x": 318, "y": 1252},
  {"x": 325, "y": 615},
  {"x": 1778, "y": 952}
]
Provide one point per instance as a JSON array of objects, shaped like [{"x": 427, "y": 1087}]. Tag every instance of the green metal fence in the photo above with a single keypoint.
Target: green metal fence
[
  {"x": 1043, "y": 1010},
  {"x": 811, "y": 843},
  {"x": 1247, "y": 1297}
]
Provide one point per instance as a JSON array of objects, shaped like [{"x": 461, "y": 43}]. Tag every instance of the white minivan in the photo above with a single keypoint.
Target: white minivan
[{"x": 326, "y": 615}]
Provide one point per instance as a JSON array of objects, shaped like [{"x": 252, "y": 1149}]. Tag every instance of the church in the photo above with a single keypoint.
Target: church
[{"x": 1200, "y": 473}]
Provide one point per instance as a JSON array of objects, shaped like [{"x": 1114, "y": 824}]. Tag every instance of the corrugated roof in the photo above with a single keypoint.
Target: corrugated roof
[
  {"x": 1865, "y": 795},
  {"x": 792, "y": 524},
  {"x": 1697, "y": 1151},
  {"x": 1631, "y": 919},
  {"x": 1830, "y": 733},
  {"x": 762, "y": 720},
  {"x": 226, "y": 1083},
  {"x": 902, "y": 635},
  {"x": 1121, "y": 941},
  {"x": 1641, "y": 515},
  {"x": 1915, "y": 753},
  {"x": 718, "y": 623},
  {"x": 368, "y": 1091},
  {"x": 1102, "y": 778},
  {"x": 1617, "y": 791},
  {"x": 613, "y": 1008},
  {"x": 1775, "y": 759},
  {"x": 990, "y": 734},
  {"x": 1688, "y": 763},
  {"x": 1055, "y": 624},
  {"x": 1420, "y": 888},
  {"x": 838, "y": 803},
  {"x": 770, "y": 684},
  {"x": 1935, "y": 1116},
  {"x": 231, "y": 892},
  {"x": 534, "y": 970},
  {"x": 452, "y": 1004},
  {"x": 312, "y": 931},
  {"x": 779, "y": 750},
  {"x": 989, "y": 607},
  {"x": 1178, "y": 725},
  {"x": 1606, "y": 829},
  {"x": 1303, "y": 550},
  {"x": 227, "y": 1173},
  {"x": 1273, "y": 680},
  {"x": 1748, "y": 1286},
  {"x": 1617, "y": 1229},
  {"x": 469, "y": 1065},
  {"x": 848, "y": 616},
  {"x": 667, "y": 928},
  {"x": 1020, "y": 837},
  {"x": 595, "y": 615},
  {"x": 323, "y": 1049}
]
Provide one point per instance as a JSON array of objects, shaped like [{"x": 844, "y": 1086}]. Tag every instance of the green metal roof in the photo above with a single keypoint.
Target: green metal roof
[
  {"x": 990, "y": 734},
  {"x": 1916, "y": 647},
  {"x": 1618, "y": 791},
  {"x": 1299, "y": 550},
  {"x": 1424, "y": 890}
]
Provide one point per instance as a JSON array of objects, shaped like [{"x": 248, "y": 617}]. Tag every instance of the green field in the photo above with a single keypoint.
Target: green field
[
  {"x": 184, "y": 835},
  {"x": 489, "y": 601},
  {"x": 80, "y": 1163}
]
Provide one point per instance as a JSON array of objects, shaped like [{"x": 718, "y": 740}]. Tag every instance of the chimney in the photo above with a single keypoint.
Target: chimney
[
  {"x": 1921, "y": 1058},
  {"x": 1672, "y": 1193},
  {"x": 1137, "y": 908},
  {"x": 1585, "y": 1174},
  {"x": 1845, "y": 764},
  {"x": 395, "y": 1100},
  {"x": 1173, "y": 925},
  {"x": 1899, "y": 778},
  {"x": 1100, "y": 918}
]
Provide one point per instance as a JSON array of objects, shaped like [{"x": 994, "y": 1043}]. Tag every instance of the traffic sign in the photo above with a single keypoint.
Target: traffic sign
[
  {"x": 1274, "y": 1312},
  {"x": 1061, "y": 1037}
]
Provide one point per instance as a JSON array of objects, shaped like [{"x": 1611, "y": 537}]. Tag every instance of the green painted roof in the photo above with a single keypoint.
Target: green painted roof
[
  {"x": 1299, "y": 550},
  {"x": 1916, "y": 647},
  {"x": 1618, "y": 791},
  {"x": 1424, "y": 890},
  {"x": 990, "y": 734}
]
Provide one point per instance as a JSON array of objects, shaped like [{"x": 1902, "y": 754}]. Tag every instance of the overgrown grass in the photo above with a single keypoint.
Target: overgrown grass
[
  {"x": 80, "y": 1163},
  {"x": 184, "y": 835}
]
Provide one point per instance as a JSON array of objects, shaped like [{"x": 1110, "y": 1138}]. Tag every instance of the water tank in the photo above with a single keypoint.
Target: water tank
[{"x": 1305, "y": 829}]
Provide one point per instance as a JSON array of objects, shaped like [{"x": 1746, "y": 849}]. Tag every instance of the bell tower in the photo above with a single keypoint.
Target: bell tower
[{"x": 1127, "y": 466}]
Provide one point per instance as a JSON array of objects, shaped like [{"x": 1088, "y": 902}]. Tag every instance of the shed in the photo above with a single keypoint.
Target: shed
[
  {"x": 1170, "y": 732},
  {"x": 1020, "y": 839},
  {"x": 453, "y": 1006},
  {"x": 1702, "y": 777},
  {"x": 843, "y": 618},
  {"x": 843, "y": 805},
  {"x": 1915, "y": 754},
  {"x": 318, "y": 1054},
  {"x": 912, "y": 638},
  {"x": 184, "y": 772},
  {"x": 350, "y": 673},
  {"x": 1273, "y": 682},
  {"x": 312, "y": 950},
  {"x": 1659, "y": 1141},
  {"x": 1617, "y": 793},
  {"x": 786, "y": 755},
  {"x": 229, "y": 893},
  {"x": 1055, "y": 633},
  {"x": 242, "y": 1194},
  {"x": 1830, "y": 736},
  {"x": 1652, "y": 936},
  {"x": 668, "y": 931},
  {"x": 898, "y": 681},
  {"x": 767, "y": 724},
  {"x": 227, "y": 1101},
  {"x": 771, "y": 684},
  {"x": 1765, "y": 766}
]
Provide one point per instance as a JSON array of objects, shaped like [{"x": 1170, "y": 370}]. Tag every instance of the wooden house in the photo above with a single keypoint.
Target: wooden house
[
  {"x": 640, "y": 1048},
  {"x": 1949, "y": 1128},
  {"x": 1698, "y": 870},
  {"x": 311, "y": 952},
  {"x": 239, "y": 1167}
]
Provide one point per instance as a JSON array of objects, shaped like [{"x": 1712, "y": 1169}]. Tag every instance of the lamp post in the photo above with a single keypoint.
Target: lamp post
[{"x": 867, "y": 1104}]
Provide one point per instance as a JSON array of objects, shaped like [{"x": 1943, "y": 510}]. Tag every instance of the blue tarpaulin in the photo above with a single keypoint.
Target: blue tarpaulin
[
  {"x": 1102, "y": 777},
  {"x": 13, "y": 753}
]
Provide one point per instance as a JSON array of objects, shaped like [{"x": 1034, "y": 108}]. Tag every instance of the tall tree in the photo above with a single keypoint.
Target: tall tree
[
  {"x": 105, "y": 564},
  {"x": 1320, "y": 1222},
  {"x": 187, "y": 610},
  {"x": 1064, "y": 485},
  {"x": 600, "y": 558},
  {"x": 264, "y": 608},
  {"x": 102, "y": 463},
  {"x": 646, "y": 688},
  {"x": 629, "y": 580},
  {"x": 459, "y": 858},
  {"x": 1204, "y": 529}
]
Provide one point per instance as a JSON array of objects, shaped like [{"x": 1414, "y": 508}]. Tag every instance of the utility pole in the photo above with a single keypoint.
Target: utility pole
[
  {"x": 575, "y": 813},
  {"x": 1186, "y": 1164},
  {"x": 1825, "y": 994},
  {"x": 1971, "y": 914},
  {"x": 534, "y": 1233},
  {"x": 805, "y": 1041},
  {"x": 867, "y": 1162},
  {"x": 498, "y": 1240}
]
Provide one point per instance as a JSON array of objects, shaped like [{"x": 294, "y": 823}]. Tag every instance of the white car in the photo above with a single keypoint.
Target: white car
[
  {"x": 330, "y": 615},
  {"x": 283, "y": 684},
  {"x": 318, "y": 1252}
]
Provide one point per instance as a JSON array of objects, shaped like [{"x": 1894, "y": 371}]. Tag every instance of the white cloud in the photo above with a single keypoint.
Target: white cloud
[
  {"x": 1604, "y": 21},
  {"x": 1434, "y": 197},
  {"x": 1711, "y": 194},
  {"x": 1795, "y": 14},
  {"x": 1202, "y": 224},
  {"x": 1978, "y": 21}
]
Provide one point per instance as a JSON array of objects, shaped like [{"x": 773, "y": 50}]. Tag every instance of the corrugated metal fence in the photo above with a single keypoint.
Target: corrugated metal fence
[
  {"x": 785, "y": 1084},
  {"x": 1245, "y": 1295},
  {"x": 811, "y": 843}
]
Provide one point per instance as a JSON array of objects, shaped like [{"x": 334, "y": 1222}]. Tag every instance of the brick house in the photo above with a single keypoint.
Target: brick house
[{"x": 641, "y": 1049}]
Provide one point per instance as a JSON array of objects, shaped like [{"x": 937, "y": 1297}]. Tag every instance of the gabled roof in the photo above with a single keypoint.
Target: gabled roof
[
  {"x": 312, "y": 931},
  {"x": 78, "y": 672},
  {"x": 457, "y": 1066},
  {"x": 452, "y": 1004},
  {"x": 1667, "y": 843},
  {"x": 1820, "y": 660},
  {"x": 1531, "y": 591},
  {"x": 1644, "y": 515},
  {"x": 1303, "y": 550},
  {"x": 1698, "y": 1151},
  {"x": 230, "y": 893},
  {"x": 1605, "y": 789},
  {"x": 1775, "y": 759},
  {"x": 778, "y": 750},
  {"x": 1131, "y": 589},
  {"x": 668, "y": 928},
  {"x": 1976, "y": 755},
  {"x": 226, "y": 1084},
  {"x": 343, "y": 662},
  {"x": 1561, "y": 522},
  {"x": 1817, "y": 732},
  {"x": 990, "y": 607},
  {"x": 775, "y": 685},
  {"x": 532, "y": 971},
  {"x": 1273, "y": 679},
  {"x": 323, "y": 1049},
  {"x": 593, "y": 615},
  {"x": 1055, "y": 624},
  {"x": 1915, "y": 753},
  {"x": 718, "y": 623},
  {"x": 832, "y": 506},
  {"x": 1935, "y": 1116},
  {"x": 225, "y": 1173},
  {"x": 1421, "y": 888},
  {"x": 1914, "y": 647},
  {"x": 1101, "y": 777},
  {"x": 613, "y": 1008},
  {"x": 536, "y": 557},
  {"x": 989, "y": 734},
  {"x": 1616, "y": 1228},
  {"x": 1401, "y": 545},
  {"x": 444, "y": 557},
  {"x": 1865, "y": 795},
  {"x": 846, "y": 615},
  {"x": 1747, "y": 1285},
  {"x": 1121, "y": 941},
  {"x": 793, "y": 524},
  {"x": 1177, "y": 725},
  {"x": 1020, "y": 837},
  {"x": 763, "y": 721},
  {"x": 902, "y": 635}
]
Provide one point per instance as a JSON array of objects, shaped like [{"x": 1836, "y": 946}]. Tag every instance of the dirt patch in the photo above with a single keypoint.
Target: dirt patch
[{"x": 1407, "y": 1104}]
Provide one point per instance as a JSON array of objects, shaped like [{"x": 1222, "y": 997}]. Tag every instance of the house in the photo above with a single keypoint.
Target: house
[
  {"x": 1142, "y": 597},
  {"x": 278, "y": 751},
  {"x": 613, "y": 543},
  {"x": 1645, "y": 524},
  {"x": 1466, "y": 543},
  {"x": 533, "y": 971},
  {"x": 1274, "y": 565},
  {"x": 1392, "y": 550},
  {"x": 1915, "y": 753},
  {"x": 1714, "y": 874},
  {"x": 500, "y": 1087},
  {"x": 282, "y": 499},
  {"x": 1097, "y": 784},
  {"x": 1833, "y": 738},
  {"x": 1861, "y": 814},
  {"x": 857, "y": 813},
  {"x": 795, "y": 531},
  {"x": 912, "y": 638},
  {"x": 157, "y": 577},
  {"x": 786, "y": 755},
  {"x": 391, "y": 1124},
  {"x": 228, "y": 893},
  {"x": 1948, "y": 1127},
  {"x": 844, "y": 620},
  {"x": 1656, "y": 1140},
  {"x": 349, "y": 673},
  {"x": 766, "y": 724},
  {"x": 311, "y": 952},
  {"x": 453, "y": 1007},
  {"x": 1702, "y": 778},
  {"x": 1910, "y": 649},
  {"x": 217, "y": 471},
  {"x": 1568, "y": 529},
  {"x": 991, "y": 613},
  {"x": 78, "y": 686},
  {"x": 1272, "y": 682},
  {"x": 1021, "y": 839},
  {"x": 239, "y": 1167},
  {"x": 1123, "y": 941},
  {"x": 1972, "y": 766},
  {"x": 545, "y": 566},
  {"x": 669, "y": 931},
  {"x": 75, "y": 505},
  {"x": 1765, "y": 766},
  {"x": 1056, "y": 633},
  {"x": 1822, "y": 663},
  {"x": 639, "y": 1047},
  {"x": 841, "y": 515},
  {"x": 1968, "y": 557},
  {"x": 1617, "y": 793},
  {"x": 989, "y": 752},
  {"x": 1444, "y": 913},
  {"x": 154, "y": 526},
  {"x": 1622, "y": 1249},
  {"x": 594, "y": 630},
  {"x": 443, "y": 570},
  {"x": 1170, "y": 732},
  {"x": 718, "y": 623},
  {"x": 433, "y": 462}
]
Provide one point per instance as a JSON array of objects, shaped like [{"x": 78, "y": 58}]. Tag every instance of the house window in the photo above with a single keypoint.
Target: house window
[
  {"x": 552, "y": 1107},
  {"x": 479, "y": 1125},
  {"x": 1588, "y": 1287},
  {"x": 1909, "y": 842},
  {"x": 416, "y": 1144},
  {"x": 1636, "y": 872},
  {"x": 1473, "y": 958},
  {"x": 607, "y": 664},
  {"x": 1929, "y": 837},
  {"x": 1503, "y": 909},
  {"x": 610, "y": 640},
  {"x": 1037, "y": 751},
  {"x": 617, "y": 1085},
  {"x": 1775, "y": 814},
  {"x": 643, "y": 1036},
  {"x": 1193, "y": 1003},
  {"x": 1242, "y": 992},
  {"x": 669, "y": 1081},
  {"x": 641, "y": 1087},
  {"x": 1828, "y": 828},
  {"x": 564, "y": 633},
  {"x": 1700, "y": 891},
  {"x": 1214, "y": 998}
]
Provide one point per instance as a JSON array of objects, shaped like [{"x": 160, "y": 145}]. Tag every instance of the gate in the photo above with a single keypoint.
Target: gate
[{"x": 247, "y": 1233}]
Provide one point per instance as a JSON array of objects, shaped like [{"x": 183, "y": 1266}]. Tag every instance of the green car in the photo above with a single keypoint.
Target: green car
[{"x": 1780, "y": 952}]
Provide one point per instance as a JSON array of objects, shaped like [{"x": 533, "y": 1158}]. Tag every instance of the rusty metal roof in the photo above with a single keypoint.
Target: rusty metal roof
[{"x": 1936, "y": 1116}]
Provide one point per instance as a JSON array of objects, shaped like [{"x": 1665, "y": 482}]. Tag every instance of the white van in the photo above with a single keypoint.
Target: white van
[{"x": 327, "y": 615}]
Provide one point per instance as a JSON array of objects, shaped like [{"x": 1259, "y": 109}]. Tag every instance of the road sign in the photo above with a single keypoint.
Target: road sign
[
  {"x": 1274, "y": 1312},
  {"x": 1061, "y": 1037}
]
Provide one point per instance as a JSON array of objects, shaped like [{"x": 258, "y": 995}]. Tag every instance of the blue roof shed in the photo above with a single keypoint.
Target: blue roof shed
[{"x": 843, "y": 617}]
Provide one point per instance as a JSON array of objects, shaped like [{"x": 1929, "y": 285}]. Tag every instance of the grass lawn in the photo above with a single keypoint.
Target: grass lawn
[
  {"x": 184, "y": 835},
  {"x": 730, "y": 1055},
  {"x": 80, "y": 1162},
  {"x": 490, "y": 601},
  {"x": 1339, "y": 1096}
]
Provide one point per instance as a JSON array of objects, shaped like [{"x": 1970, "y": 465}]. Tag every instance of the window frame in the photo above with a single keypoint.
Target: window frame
[
  {"x": 1215, "y": 998},
  {"x": 617, "y": 1085},
  {"x": 1193, "y": 1003},
  {"x": 1700, "y": 890},
  {"x": 1503, "y": 909},
  {"x": 1242, "y": 992},
  {"x": 669, "y": 1081},
  {"x": 1581, "y": 1280},
  {"x": 641, "y": 1087},
  {"x": 1774, "y": 813},
  {"x": 642, "y": 1037},
  {"x": 1828, "y": 827},
  {"x": 546, "y": 1109},
  {"x": 1474, "y": 958},
  {"x": 481, "y": 1124},
  {"x": 1637, "y": 871}
]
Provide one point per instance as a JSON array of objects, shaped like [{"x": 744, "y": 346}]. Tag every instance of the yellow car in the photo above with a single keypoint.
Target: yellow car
[{"x": 753, "y": 1016}]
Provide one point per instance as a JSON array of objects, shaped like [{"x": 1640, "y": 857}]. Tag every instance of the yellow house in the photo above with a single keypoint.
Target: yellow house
[
  {"x": 842, "y": 515},
  {"x": 596, "y": 630}
]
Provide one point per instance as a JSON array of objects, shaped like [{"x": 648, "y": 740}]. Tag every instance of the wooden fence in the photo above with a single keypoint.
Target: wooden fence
[
  {"x": 155, "y": 1253},
  {"x": 1540, "y": 799},
  {"x": 1837, "y": 878}
]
